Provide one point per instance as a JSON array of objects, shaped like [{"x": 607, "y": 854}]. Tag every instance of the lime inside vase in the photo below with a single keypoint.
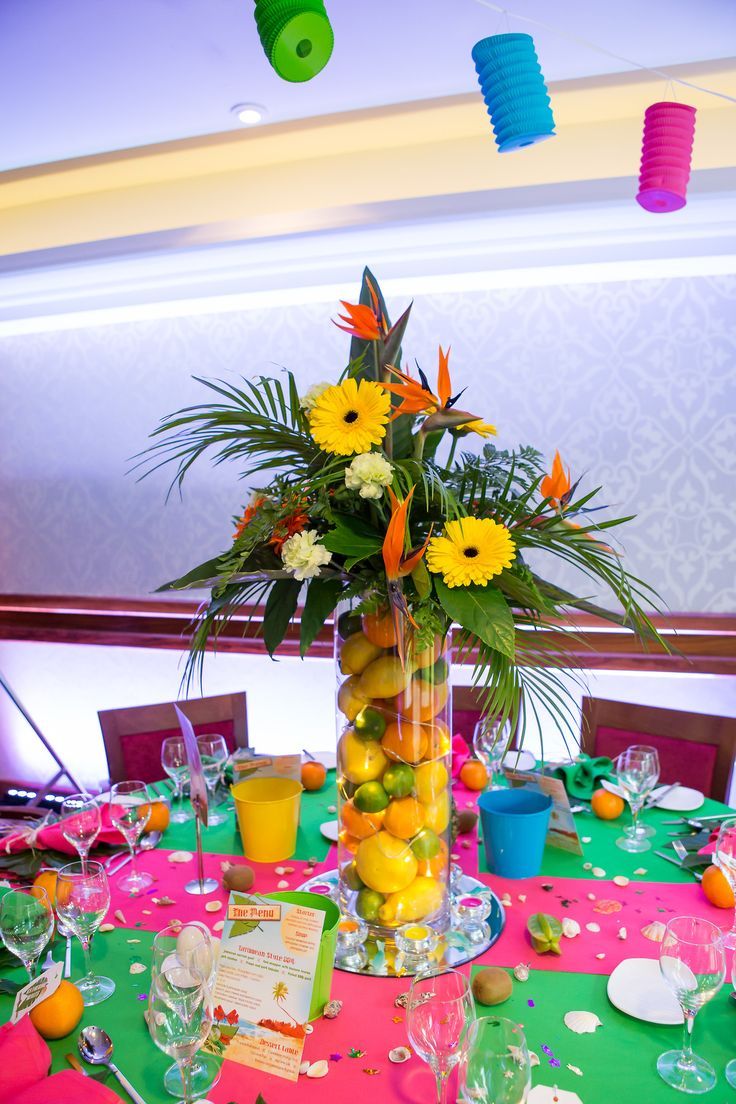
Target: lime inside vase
[
  {"x": 393, "y": 776},
  {"x": 296, "y": 36}
]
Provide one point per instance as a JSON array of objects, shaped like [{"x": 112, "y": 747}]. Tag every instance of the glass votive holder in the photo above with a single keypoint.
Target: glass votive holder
[
  {"x": 416, "y": 943},
  {"x": 470, "y": 913},
  {"x": 324, "y": 889},
  {"x": 456, "y": 878},
  {"x": 351, "y": 936}
]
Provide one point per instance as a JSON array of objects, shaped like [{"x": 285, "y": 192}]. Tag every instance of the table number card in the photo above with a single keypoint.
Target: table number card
[
  {"x": 253, "y": 765},
  {"x": 265, "y": 976},
  {"x": 562, "y": 832}
]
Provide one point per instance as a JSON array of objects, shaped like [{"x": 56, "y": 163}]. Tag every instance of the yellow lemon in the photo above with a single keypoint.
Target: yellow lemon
[
  {"x": 437, "y": 813},
  {"x": 360, "y": 761},
  {"x": 356, "y": 653},
  {"x": 349, "y": 699},
  {"x": 60, "y": 1013},
  {"x": 430, "y": 779},
  {"x": 421, "y": 898},
  {"x": 385, "y": 863},
  {"x": 384, "y": 678}
]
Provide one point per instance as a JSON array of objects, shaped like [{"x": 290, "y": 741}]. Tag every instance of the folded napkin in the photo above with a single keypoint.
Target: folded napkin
[
  {"x": 50, "y": 837},
  {"x": 583, "y": 776},
  {"x": 460, "y": 754},
  {"x": 25, "y": 1060},
  {"x": 67, "y": 1087}
]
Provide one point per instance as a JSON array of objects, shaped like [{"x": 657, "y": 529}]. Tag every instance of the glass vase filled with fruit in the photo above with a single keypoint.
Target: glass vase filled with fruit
[{"x": 393, "y": 774}]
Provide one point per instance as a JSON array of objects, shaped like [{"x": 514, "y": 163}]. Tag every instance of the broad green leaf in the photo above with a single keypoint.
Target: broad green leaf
[
  {"x": 322, "y": 597},
  {"x": 280, "y": 609},
  {"x": 352, "y": 537},
  {"x": 481, "y": 610},
  {"x": 198, "y": 576}
]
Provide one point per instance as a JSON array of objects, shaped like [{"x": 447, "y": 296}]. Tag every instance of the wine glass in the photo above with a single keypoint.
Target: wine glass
[
  {"x": 130, "y": 811},
  {"x": 191, "y": 948},
  {"x": 693, "y": 964},
  {"x": 82, "y": 901},
  {"x": 731, "y": 1067},
  {"x": 725, "y": 859},
  {"x": 81, "y": 822},
  {"x": 26, "y": 924},
  {"x": 490, "y": 741},
  {"x": 498, "y": 1069},
  {"x": 439, "y": 1012},
  {"x": 214, "y": 754},
  {"x": 638, "y": 771},
  {"x": 176, "y": 764},
  {"x": 180, "y": 1016},
  {"x": 643, "y": 831}
]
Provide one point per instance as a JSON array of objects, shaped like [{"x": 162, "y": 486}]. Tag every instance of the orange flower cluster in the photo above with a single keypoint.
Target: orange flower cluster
[{"x": 283, "y": 529}]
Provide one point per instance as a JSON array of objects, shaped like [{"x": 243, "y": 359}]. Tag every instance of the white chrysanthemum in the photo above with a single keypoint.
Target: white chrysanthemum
[
  {"x": 368, "y": 474},
  {"x": 307, "y": 401},
  {"x": 303, "y": 555}
]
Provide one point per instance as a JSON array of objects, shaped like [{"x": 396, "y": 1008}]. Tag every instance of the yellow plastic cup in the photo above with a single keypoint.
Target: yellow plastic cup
[{"x": 268, "y": 817}]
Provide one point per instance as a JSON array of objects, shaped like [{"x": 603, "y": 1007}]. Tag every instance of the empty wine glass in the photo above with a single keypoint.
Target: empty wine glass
[
  {"x": 214, "y": 754},
  {"x": 638, "y": 771},
  {"x": 692, "y": 961},
  {"x": 191, "y": 948},
  {"x": 439, "y": 1012},
  {"x": 26, "y": 924},
  {"x": 82, "y": 901},
  {"x": 179, "y": 1018},
  {"x": 731, "y": 1067},
  {"x": 491, "y": 740},
  {"x": 176, "y": 764},
  {"x": 725, "y": 859},
  {"x": 497, "y": 1069},
  {"x": 81, "y": 822},
  {"x": 130, "y": 811}
]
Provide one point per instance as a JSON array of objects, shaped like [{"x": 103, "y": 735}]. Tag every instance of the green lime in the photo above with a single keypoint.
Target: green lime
[
  {"x": 398, "y": 780},
  {"x": 370, "y": 797},
  {"x": 426, "y": 844},
  {"x": 435, "y": 674},
  {"x": 369, "y": 724},
  {"x": 367, "y": 904},
  {"x": 347, "y": 624},
  {"x": 351, "y": 877}
]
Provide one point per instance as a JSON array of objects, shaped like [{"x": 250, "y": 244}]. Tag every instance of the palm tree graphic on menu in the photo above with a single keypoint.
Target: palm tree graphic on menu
[{"x": 280, "y": 993}]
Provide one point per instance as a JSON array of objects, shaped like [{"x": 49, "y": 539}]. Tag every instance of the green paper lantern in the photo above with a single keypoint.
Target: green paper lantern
[{"x": 296, "y": 36}]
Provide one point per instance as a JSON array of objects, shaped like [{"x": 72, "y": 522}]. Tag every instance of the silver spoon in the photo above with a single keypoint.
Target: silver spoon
[{"x": 95, "y": 1046}]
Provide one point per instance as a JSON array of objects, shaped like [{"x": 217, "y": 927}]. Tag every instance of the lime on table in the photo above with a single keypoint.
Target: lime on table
[
  {"x": 398, "y": 780},
  {"x": 371, "y": 797},
  {"x": 369, "y": 724}
]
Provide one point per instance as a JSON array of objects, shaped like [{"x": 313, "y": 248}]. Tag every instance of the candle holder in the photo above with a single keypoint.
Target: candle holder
[
  {"x": 470, "y": 913},
  {"x": 351, "y": 936},
  {"x": 416, "y": 944}
]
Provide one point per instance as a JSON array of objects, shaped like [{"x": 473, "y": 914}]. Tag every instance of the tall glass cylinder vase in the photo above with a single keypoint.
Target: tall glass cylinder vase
[{"x": 393, "y": 776}]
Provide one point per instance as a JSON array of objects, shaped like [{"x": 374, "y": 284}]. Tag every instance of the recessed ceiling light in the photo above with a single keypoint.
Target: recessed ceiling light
[{"x": 249, "y": 114}]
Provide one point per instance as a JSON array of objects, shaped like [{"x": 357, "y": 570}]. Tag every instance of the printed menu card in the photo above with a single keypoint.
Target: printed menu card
[{"x": 265, "y": 976}]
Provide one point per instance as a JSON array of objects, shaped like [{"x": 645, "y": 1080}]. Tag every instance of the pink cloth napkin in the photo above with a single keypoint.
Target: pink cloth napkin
[
  {"x": 50, "y": 837},
  {"x": 67, "y": 1087},
  {"x": 460, "y": 754},
  {"x": 25, "y": 1060}
]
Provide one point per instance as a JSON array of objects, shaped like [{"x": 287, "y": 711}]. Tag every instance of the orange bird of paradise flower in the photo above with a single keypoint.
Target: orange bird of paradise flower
[
  {"x": 418, "y": 398},
  {"x": 398, "y": 565},
  {"x": 363, "y": 321},
  {"x": 556, "y": 486}
]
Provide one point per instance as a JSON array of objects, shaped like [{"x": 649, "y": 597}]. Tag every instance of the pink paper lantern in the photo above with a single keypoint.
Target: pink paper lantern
[{"x": 666, "y": 151}]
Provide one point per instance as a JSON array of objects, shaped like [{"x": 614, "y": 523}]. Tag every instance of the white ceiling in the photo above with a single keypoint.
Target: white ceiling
[{"x": 89, "y": 76}]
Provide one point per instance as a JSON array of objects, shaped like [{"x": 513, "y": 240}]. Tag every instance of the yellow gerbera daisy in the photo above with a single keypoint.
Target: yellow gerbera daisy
[
  {"x": 472, "y": 550},
  {"x": 350, "y": 417}
]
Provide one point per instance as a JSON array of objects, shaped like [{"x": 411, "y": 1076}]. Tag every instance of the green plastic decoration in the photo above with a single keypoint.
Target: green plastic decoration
[
  {"x": 545, "y": 932},
  {"x": 296, "y": 36}
]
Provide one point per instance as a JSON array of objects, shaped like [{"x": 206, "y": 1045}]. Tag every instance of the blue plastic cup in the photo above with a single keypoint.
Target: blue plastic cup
[{"x": 515, "y": 824}]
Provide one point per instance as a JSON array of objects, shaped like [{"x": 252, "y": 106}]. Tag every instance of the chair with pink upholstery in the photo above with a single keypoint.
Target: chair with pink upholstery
[
  {"x": 466, "y": 712},
  {"x": 696, "y": 749},
  {"x": 133, "y": 736}
]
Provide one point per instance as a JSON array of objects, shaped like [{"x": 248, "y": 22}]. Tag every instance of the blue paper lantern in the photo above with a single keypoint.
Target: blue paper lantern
[{"x": 514, "y": 90}]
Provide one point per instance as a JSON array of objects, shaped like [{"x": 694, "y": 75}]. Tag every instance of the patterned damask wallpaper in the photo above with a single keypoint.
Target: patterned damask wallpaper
[{"x": 635, "y": 382}]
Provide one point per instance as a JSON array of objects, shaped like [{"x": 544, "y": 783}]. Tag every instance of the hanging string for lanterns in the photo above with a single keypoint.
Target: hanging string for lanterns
[
  {"x": 669, "y": 129},
  {"x": 296, "y": 36},
  {"x": 514, "y": 90}
]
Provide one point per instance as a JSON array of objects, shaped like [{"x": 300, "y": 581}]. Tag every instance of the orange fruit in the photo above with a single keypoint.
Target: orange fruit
[
  {"x": 158, "y": 821},
  {"x": 313, "y": 775},
  {"x": 350, "y": 701},
  {"x": 474, "y": 775},
  {"x": 60, "y": 1013},
  {"x": 356, "y": 653},
  {"x": 421, "y": 701},
  {"x": 360, "y": 825},
  {"x": 404, "y": 817},
  {"x": 404, "y": 742},
  {"x": 716, "y": 888},
  {"x": 607, "y": 806},
  {"x": 434, "y": 867},
  {"x": 379, "y": 628},
  {"x": 350, "y": 843},
  {"x": 47, "y": 879}
]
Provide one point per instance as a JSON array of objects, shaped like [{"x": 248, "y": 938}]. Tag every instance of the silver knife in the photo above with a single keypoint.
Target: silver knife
[
  {"x": 670, "y": 858},
  {"x": 652, "y": 801}
]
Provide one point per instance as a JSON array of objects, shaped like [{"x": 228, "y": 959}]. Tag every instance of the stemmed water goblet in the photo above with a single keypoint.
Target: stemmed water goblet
[
  {"x": 498, "y": 1069},
  {"x": 26, "y": 924},
  {"x": 439, "y": 1013},
  {"x": 81, "y": 820},
  {"x": 180, "y": 1016},
  {"x": 725, "y": 859},
  {"x": 214, "y": 754},
  {"x": 82, "y": 901},
  {"x": 176, "y": 765},
  {"x": 638, "y": 770},
  {"x": 693, "y": 964},
  {"x": 130, "y": 811},
  {"x": 491, "y": 739}
]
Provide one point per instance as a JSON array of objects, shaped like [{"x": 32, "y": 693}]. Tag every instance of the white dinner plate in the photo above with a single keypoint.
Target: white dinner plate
[
  {"x": 329, "y": 830},
  {"x": 328, "y": 759},
  {"x": 519, "y": 761},
  {"x": 681, "y": 800},
  {"x": 637, "y": 988}
]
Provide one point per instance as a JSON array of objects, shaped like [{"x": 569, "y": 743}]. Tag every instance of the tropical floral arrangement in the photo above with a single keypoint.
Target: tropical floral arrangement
[{"x": 368, "y": 490}]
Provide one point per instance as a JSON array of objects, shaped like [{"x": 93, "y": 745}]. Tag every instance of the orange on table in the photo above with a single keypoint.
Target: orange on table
[
  {"x": 379, "y": 628},
  {"x": 313, "y": 775},
  {"x": 716, "y": 888},
  {"x": 356, "y": 653},
  {"x": 421, "y": 701},
  {"x": 430, "y": 779},
  {"x": 404, "y": 742},
  {"x": 384, "y": 677},
  {"x": 158, "y": 820},
  {"x": 60, "y": 1013},
  {"x": 360, "y": 825},
  {"x": 474, "y": 775},
  {"x": 404, "y": 817},
  {"x": 350, "y": 701},
  {"x": 606, "y": 805},
  {"x": 47, "y": 880}
]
